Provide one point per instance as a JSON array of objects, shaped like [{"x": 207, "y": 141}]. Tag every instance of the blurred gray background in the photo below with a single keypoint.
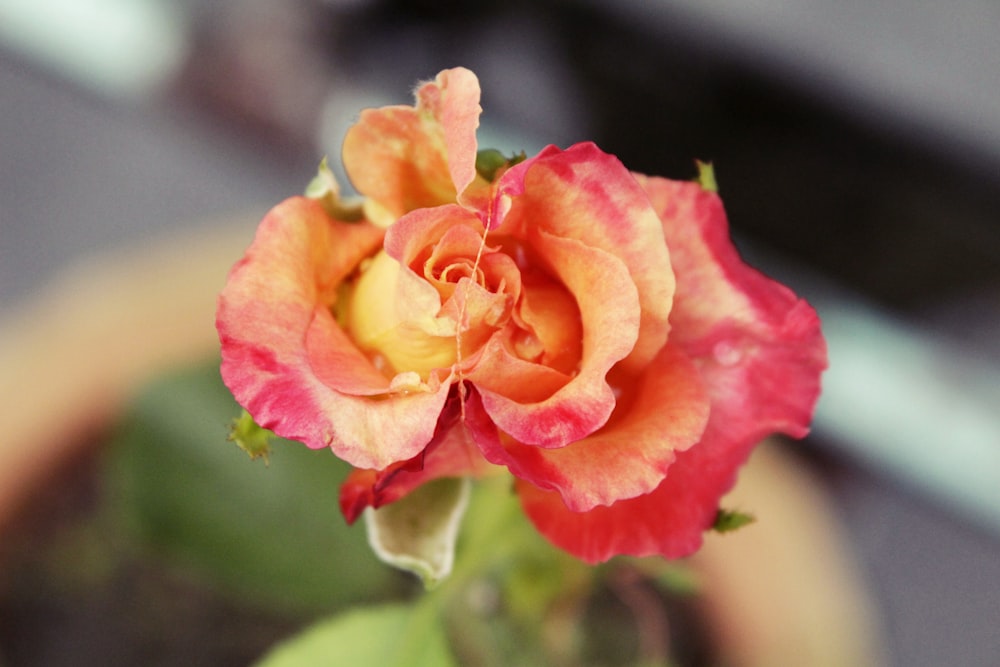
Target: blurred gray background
[{"x": 857, "y": 147}]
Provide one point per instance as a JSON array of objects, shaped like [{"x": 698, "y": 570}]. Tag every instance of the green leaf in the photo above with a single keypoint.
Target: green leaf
[
  {"x": 726, "y": 521},
  {"x": 418, "y": 532},
  {"x": 273, "y": 535},
  {"x": 384, "y": 636}
]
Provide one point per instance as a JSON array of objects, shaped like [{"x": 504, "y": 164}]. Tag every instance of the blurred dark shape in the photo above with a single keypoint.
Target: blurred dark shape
[
  {"x": 865, "y": 207},
  {"x": 260, "y": 73}
]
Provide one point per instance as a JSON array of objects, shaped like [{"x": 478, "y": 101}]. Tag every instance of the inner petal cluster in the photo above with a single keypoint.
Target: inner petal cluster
[{"x": 443, "y": 291}]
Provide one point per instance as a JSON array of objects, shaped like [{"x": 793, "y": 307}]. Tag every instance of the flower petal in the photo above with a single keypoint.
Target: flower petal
[
  {"x": 276, "y": 299},
  {"x": 760, "y": 354},
  {"x": 759, "y": 347},
  {"x": 670, "y": 521},
  {"x": 662, "y": 412},
  {"x": 453, "y": 99},
  {"x": 585, "y": 194},
  {"x": 658, "y": 523},
  {"x": 451, "y": 453},
  {"x": 609, "y": 313},
  {"x": 551, "y": 330},
  {"x": 396, "y": 309},
  {"x": 407, "y": 157},
  {"x": 393, "y": 315}
]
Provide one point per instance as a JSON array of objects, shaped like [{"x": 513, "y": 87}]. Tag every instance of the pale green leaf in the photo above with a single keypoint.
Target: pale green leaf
[
  {"x": 324, "y": 188},
  {"x": 418, "y": 532}
]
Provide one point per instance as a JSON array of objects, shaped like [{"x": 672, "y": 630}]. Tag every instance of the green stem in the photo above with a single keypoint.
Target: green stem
[
  {"x": 493, "y": 531},
  {"x": 426, "y": 615}
]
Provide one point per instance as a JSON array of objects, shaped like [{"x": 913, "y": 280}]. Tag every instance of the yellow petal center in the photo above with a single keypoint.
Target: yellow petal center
[{"x": 393, "y": 317}]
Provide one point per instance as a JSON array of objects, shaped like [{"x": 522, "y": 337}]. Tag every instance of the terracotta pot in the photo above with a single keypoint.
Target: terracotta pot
[{"x": 73, "y": 354}]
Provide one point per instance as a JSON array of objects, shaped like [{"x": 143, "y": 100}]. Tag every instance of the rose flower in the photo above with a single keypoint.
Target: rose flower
[{"x": 589, "y": 330}]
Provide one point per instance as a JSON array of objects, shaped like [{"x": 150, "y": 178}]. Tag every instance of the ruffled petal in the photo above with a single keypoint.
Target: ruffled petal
[
  {"x": 660, "y": 413},
  {"x": 760, "y": 354},
  {"x": 453, "y": 100},
  {"x": 407, "y": 304},
  {"x": 406, "y": 158},
  {"x": 670, "y": 521},
  {"x": 609, "y": 313},
  {"x": 393, "y": 316},
  {"x": 282, "y": 349},
  {"x": 758, "y": 346},
  {"x": 451, "y": 453},
  {"x": 550, "y": 329},
  {"x": 658, "y": 523},
  {"x": 587, "y": 195}
]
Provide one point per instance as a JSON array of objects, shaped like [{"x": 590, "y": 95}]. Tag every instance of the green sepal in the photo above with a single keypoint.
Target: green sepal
[
  {"x": 417, "y": 533},
  {"x": 490, "y": 161},
  {"x": 324, "y": 187},
  {"x": 706, "y": 176},
  {"x": 726, "y": 521},
  {"x": 250, "y": 437}
]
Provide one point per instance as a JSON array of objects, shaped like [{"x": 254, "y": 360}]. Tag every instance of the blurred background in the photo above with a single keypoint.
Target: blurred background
[{"x": 856, "y": 145}]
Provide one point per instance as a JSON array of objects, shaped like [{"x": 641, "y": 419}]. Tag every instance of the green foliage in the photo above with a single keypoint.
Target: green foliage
[
  {"x": 323, "y": 183},
  {"x": 677, "y": 578},
  {"x": 382, "y": 636},
  {"x": 272, "y": 534}
]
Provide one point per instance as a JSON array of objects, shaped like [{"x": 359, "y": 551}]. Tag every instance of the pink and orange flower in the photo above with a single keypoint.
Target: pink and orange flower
[{"x": 591, "y": 331}]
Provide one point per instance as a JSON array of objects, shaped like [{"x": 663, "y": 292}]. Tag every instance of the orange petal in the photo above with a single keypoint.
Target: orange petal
[
  {"x": 760, "y": 353},
  {"x": 585, "y": 194},
  {"x": 396, "y": 309},
  {"x": 660, "y": 413},
  {"x": 407, "y": 157},
  {"x": 670, "y": 521},
  {"x": 275, "y": 306},
  {"x": 552, "y": 333},
  {"x": 452, "y": 99},
  {"x": 609, "y": 315}
]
